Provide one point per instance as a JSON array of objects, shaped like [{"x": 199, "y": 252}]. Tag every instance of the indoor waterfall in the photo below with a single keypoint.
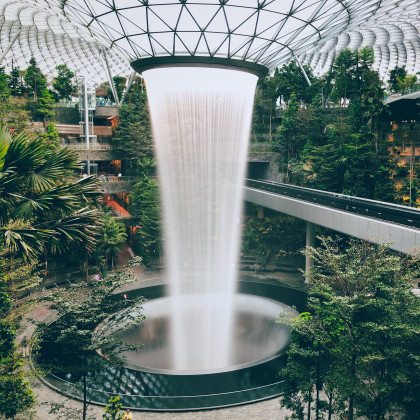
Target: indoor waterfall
[{"x": 201, "y": 119}]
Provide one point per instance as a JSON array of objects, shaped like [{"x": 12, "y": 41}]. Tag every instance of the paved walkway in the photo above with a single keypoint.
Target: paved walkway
[{"x": 264, "y": 410}]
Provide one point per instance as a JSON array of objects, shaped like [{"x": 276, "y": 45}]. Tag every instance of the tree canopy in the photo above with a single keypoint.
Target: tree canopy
[
  {"x": 62, "y": 83},
  {"x": 360, "y": 335}
]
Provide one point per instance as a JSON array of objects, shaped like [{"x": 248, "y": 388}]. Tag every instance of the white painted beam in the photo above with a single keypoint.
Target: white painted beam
[{"x": 403, "y": 239}]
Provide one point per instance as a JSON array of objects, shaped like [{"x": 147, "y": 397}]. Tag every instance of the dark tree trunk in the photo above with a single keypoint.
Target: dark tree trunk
[
  {"x": 330, "y": 406},
  {"x": 84, "y": 389},
  {"x": 318, "y": 384},
  {"x": 309, "y": 402},
  {"x": 353, "y": 377}
]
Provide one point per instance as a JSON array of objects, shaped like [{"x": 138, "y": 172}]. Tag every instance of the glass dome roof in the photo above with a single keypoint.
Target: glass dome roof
[
  {"x": 267, "y": 32},
  {"x": 393, "y": 33},
  {"x": 43, "y": 32}
]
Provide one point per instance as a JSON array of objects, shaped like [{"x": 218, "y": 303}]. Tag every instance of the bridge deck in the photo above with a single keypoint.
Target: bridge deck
[{"x": 365, "y": 219}]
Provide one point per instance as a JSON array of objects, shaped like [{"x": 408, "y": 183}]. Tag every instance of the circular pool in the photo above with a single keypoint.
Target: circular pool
[{"x": 149, "y": 381}]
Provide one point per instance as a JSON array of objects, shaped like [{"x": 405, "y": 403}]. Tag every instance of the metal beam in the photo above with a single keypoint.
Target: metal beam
[
  {"x": 10, "y": 45},
  {"x": 110, "y": 79},
  {"x": 303, "y": 70},
  {"x": 86, "y": 117},
  {"x": 127, "y": 88}
]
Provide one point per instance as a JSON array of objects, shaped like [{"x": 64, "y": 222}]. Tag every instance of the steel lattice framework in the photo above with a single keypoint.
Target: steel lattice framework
[
  {"x": 267, "y": 32},
  {"x": 43, "y": 32}
]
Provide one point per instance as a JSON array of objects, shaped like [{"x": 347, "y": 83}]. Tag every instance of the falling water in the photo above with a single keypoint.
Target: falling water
[{"x": 201, "y": 120}]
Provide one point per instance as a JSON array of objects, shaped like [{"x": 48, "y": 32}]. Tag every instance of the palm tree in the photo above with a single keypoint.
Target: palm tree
[{"x": 43, "y": 208}]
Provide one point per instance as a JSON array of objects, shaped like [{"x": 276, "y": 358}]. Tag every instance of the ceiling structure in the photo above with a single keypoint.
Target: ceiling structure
[
  {"x": 267, "y": 32},
  {"x": 43, "y": 32}
]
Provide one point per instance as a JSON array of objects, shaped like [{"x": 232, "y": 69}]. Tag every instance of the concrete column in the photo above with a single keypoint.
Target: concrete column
[
  {"x": 310, "y": 240},
  {"x": 260, "y": 212}
]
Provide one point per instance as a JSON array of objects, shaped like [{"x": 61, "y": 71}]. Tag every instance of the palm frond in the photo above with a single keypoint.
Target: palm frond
[
  {"x": 62, "y": 198},
  {"x": 27, "y": 243},
  {"x": 52, "y": 170},
  {"x": 5, "y": 139},
  {"x": 24, "y": 155},
  {"x": 80, "y": 228},
  {"x": 7, "y": 201}
]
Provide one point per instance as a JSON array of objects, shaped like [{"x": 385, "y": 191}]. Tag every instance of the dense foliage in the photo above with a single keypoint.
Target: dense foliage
[
  {"x": 69, "y": 345},
  {"x": 43, "y": 209},
  {"x": 335, "y": 134},
  {"x": 133, "y": 136},
  {"x": 359, "y": 339},
  {"x": 62, "y": 83},
  {"x": 16, "y": 395},
  {"x": 144, "y": 204}
]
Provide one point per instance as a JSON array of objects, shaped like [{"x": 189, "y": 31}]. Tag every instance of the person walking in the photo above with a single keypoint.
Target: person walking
[{"x": 128, "y": 415}]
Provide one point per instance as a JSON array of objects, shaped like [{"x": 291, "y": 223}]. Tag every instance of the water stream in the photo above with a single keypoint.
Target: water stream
[{"x": 201, "y": 120}]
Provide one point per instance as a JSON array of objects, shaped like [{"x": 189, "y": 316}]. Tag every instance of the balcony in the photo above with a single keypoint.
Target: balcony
[{"x": 111, "y": 184}]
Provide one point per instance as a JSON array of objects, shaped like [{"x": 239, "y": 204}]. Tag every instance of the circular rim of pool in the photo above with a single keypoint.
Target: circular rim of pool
[{"x": 211, "y": 390}]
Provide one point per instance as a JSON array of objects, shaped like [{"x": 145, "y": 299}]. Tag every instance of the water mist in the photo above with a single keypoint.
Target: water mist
[{"x": 201, "y": 120}]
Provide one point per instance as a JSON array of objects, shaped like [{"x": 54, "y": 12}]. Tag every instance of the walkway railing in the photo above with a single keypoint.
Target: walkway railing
[
  {"x": 169, "y": 402},
  {"x": 82, "y": 146},
  {"x": 115, "y": 178},
  {"x": 407, "y": 91}
]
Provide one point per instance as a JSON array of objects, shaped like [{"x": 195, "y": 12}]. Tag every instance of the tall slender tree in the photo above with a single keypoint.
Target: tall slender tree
[
  {"x": 34, "y": 79},
  {"x": 62, "y": 83}
]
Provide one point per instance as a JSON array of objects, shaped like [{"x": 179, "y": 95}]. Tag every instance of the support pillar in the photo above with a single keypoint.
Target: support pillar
[
  {"x": 10, "y": 45},
  {"x": 310, "y": 241},
  {"x": 127, "y": 88},
  {"x": 303, "y": 70},
  {"x": 111, "y": 80},
  {"x": 86, "y": 118},
  {"x": 260, "y": 212}
]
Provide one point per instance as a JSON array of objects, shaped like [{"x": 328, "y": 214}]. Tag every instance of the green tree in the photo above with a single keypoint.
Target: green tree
[
  {"x": 290, "y": 80},
  {"x": 286, "y": 139},
  {"x": 16, "y": 395},
  {"x": 396, "y": 74},
  {"x": 112, "y": 410},
  {"x": 132, "y": 136},
  {"x": 62, "y": 83},
  {"x": 112, "y": 237},
  {"x": 406, "y": 83},
  {"x": 273, "y": 233},
  {"x": 4, "y": 95},
  {"x": 144, "y": 204},
  {"x": 35, "y": 81},
  {"x": 41, "y": 204},
  {"x": 351, "y": 157},
  {"x": 51, "y": 136},
  {"x": 343, "y": 72},
  {"x": 366, "y": 320},
  {"x": 73, "y": 337},
  {"x": 45, "y": 105},
  {"x": 264, "y": 109},
  {"x": 119, "y": 83},
  {"x": 15, "y": 82}
]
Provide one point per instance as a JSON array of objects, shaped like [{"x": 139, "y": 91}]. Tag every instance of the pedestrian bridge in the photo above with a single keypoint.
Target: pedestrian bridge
[{"x": 371, "y": 220}]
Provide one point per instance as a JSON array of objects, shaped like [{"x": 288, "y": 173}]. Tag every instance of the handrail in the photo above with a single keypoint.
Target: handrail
[
  {"x": 170, "y": 402},
  {"x": 389, "y": 212},
  {"x": 82, "y": 146}
]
